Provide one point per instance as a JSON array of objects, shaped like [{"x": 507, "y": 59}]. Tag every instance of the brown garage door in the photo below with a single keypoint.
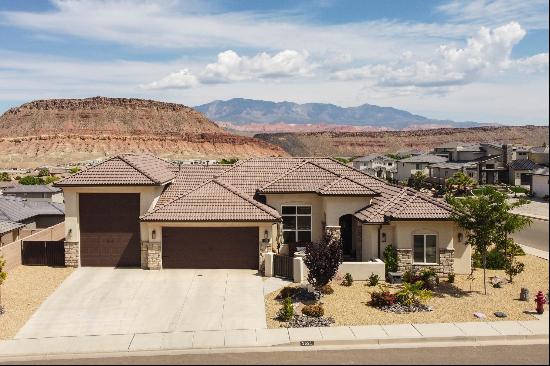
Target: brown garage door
[
  {"x": 109, "y": 230},
  {"x": 210, "y": 247}
]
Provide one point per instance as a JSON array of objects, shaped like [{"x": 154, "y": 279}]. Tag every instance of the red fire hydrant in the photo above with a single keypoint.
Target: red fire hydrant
[{"x": 540, "y": 301}]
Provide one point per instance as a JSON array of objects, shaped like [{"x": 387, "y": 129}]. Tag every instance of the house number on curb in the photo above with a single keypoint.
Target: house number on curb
[{"x": 307, "y": 343}]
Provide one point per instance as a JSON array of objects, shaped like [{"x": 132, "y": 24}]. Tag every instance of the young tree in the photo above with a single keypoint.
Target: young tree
[
  {"x": 418, "y": 180},
  {"x": 44, "y": 172},
  {"x": 3, "y": 276},
  {"x": 460, "y": 183},
  {"x": 323, "y": 259},
  {"x": 5, "y": 177},
  {"x": 488, "y": 219}
]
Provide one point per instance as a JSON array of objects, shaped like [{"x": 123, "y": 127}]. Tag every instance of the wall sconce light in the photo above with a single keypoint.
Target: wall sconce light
[
  {"x": 265, "y": 240},
  {"x": 69, "y": 233},
  {"x": 383, "y": 237},
  {"x": 153, "y": 234},
  {"x": 460, "y": 237}
]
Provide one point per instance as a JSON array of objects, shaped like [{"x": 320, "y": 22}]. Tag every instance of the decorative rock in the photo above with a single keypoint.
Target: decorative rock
[
  {"x": 2, "y": 310},
  {"x": 524, "y": 294},
  {"x": 304, "y": 321},
  {"x": 403, "y": 309},
  {"x": 497, "y": 282},
  {"x": 500, "y": 314},
  {"x": 480, "y": 315}
]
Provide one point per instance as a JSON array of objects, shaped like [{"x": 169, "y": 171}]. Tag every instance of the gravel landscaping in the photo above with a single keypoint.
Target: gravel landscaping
[
  {"x": 451, "y": 302},
  {"x": 24, "y": 291}
]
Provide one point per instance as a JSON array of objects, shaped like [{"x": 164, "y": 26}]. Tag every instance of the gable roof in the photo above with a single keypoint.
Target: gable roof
[
  {"x": 14, "y": 209},
  {"x": 125, "y": 169},
  {"x": 34, "y": 188},
  {"x": 406, "y": 204},
  {"x": 213, "y": 201},
  {"x": 425, "y": 158}
]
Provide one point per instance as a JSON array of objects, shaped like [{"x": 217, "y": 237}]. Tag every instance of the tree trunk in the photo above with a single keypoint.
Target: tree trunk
[{"x": 485, "y": 270}]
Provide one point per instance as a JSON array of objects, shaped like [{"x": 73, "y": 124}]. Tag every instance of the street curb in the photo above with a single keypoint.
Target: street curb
[{"x": 375, "y": 342}]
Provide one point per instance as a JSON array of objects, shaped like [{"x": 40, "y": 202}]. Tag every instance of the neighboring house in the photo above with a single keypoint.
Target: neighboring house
[
  {"x": 522, "y": 153},
  {"x": 539, "y": 155},
  {"x": 521, "y": 171},
  {"x": 9, "y": 231},
  {"x": 539, "y": 183},
  {"x": 140, "y": 211},
  {"x": 492, "y": 169},
  {"x": 378, "y": 165},
  {"x": 440, "y": 172},
  {"x": 38, "y": 192},
  {"x": 418, "y": 163},
  {"x": 32, "y": 214}
]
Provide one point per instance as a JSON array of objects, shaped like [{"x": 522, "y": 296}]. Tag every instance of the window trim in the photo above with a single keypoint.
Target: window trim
[
  {"x": 296, "y": 215},
  {"x": 436, "y": 249}
]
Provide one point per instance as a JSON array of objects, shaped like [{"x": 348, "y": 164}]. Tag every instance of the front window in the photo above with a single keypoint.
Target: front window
[
  {"x": 296, "y": 224},
  {"x": 418, "y": 166},
  {"x": 425, "y": 248}
]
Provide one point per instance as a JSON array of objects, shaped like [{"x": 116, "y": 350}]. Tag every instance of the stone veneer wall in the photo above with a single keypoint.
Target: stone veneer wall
[
  {"x": 151, "y": 255},
  {"x": 72, "y": 254},
  {"x": 443, "y": 268}
]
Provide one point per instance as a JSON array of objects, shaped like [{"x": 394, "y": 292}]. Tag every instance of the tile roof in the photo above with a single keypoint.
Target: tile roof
[
  {"x": 371, "y": 157},
  {"x": 14, "y": 209},
  {"x": 19, "y": 209},
  {"x": 125, "y": 169},
  {"x": 404, "y": 204},
  {"x": 7, "y": 226},
  {"x": 523, "y": 164},
  {"x": 35, "y": 188},
  {"x": 540, "y": 149},
  {"x": 426, "y": 158},
  {"x": 213, "y": 201}
]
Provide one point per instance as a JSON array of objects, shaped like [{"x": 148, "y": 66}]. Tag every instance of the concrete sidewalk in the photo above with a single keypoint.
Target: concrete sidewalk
[{"x": 225, "y": 339}]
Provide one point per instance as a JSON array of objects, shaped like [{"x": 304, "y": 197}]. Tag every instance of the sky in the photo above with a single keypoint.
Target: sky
[{"x": 484, "y": 61}]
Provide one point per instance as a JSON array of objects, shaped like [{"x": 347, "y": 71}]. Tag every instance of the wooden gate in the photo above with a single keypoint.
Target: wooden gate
[
  {"x": 282, "y": 266},
  {"x": 43, "y": 253}
]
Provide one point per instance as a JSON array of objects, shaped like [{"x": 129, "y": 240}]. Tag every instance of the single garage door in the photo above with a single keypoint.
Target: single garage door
[
  {"x": 109, "y": 230},
  {"x": 210, "y": 247}
]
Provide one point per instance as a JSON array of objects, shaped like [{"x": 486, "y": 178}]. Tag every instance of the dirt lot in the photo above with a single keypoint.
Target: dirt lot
[
  {"x": 451, "y": 302},
  {"x": 23, "y": 292}
]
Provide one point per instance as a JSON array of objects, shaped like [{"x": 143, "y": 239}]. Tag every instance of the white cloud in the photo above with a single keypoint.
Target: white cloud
[
  {"x": 232, "y": 67},
  {"x": 533, "y": 64},
  {"x": 182, "y": 79},
  {"x": 486, "y": 54}
]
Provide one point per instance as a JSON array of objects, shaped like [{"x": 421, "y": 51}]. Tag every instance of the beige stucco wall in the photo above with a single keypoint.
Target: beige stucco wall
[
  {"x": 405, "y": 170},
  {"x": 540, "y": 185},
  {"x": 148, "y": 197},
  {"x": 9, "y": 237},
  {"x": 400, "y": 234},
  {"x": 325, "y": 210}
]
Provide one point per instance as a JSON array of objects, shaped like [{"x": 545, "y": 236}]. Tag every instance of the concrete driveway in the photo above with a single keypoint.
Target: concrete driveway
[{"x": 98, "y": 301}]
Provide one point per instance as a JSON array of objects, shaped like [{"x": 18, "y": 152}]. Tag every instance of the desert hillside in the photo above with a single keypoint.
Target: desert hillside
[
  {"x": 61, "y": 131},
  {"x": 362, "y": 143}
]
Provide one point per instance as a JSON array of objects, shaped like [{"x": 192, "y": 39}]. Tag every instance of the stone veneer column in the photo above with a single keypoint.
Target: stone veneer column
[
  {"x": 72, "y": 254},
  {"x": 404, "y": 260},
  {"x": 446, "y": 262},
  {"x": 151, "y": 255}
]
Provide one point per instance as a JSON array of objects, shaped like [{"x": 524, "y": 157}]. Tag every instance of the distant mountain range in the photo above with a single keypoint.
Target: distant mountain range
[{"x": 248, "y": 114}]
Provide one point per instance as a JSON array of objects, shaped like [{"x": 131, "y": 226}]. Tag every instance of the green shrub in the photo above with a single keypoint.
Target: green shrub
[
  {"x": 413, "y": 293},
  {"x": 373, "y": 279},
  {"x": 31, "y": 180},
  {"x": 315, "y": 311},
  {"x": 287, "y": 291},
  {"x": 348, "y": 280},
  {"x": 390, "y": 258},
  {"x": 287, "y": 311},
  {"x": 382, "y": 298}
]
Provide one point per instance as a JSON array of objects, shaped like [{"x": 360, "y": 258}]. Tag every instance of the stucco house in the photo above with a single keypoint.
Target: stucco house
[
  {"x": 539, "y": 154},
  {"x": 418, "y": 163},
  {"x": 439, "y": 173},
  {"x": 140, "y": 211},
  {"x": 539, "y": 182},
  {"x": 376, "y": 164}
]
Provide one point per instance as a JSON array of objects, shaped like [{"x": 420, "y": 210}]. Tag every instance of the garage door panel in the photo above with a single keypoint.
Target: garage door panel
[
  {"x": 210, "y": 248},
  {"x": 109, "y": 230}
]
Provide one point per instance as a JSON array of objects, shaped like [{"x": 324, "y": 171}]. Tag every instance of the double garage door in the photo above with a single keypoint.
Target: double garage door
[{"x": 110, "y": 237}]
